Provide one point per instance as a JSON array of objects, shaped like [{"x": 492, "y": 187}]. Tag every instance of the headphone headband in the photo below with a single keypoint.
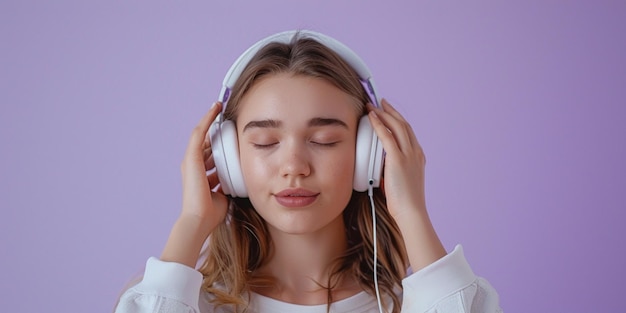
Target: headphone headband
[{"x": 286, "y": 37}]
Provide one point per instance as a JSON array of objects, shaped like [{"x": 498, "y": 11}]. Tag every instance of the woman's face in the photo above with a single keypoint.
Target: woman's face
[{"x": 297, "y": 137}]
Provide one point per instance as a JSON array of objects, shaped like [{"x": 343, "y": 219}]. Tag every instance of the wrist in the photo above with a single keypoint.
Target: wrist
[
  {"x": 408, "y": 213},
  {"x": 195, "y": 225},
  {"x": 420, "y": 238},
  {"x": 186, "y": 240}
]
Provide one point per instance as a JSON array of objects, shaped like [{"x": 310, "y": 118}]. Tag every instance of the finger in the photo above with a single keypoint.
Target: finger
[
  {"x": 213, "y": 179},
  {"x": 392, "y": 111},
  {"x": 387, "y": 107},
  {"x": 399, "y": 129},
  {"x": 198, "y": 135},
  {"x": 383, "y": 133},
  {"x": 209, "y": 162}
]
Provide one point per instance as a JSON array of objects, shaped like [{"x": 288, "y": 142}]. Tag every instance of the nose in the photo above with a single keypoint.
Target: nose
[{"x": 295, "y": 160}]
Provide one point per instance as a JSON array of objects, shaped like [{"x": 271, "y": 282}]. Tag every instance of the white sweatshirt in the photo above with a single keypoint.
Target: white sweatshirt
[{"x": 446, "y": 286}]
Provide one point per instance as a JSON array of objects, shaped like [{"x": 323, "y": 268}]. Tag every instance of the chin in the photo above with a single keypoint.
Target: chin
[{"x": 303, "y": 224}]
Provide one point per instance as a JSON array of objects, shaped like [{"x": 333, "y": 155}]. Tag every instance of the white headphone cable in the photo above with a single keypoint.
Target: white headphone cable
[{"x": 370, "y": 193}]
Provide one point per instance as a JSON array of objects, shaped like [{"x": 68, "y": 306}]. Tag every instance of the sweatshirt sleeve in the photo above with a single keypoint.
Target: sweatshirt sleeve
[
  {"x": 448, "y": 285},
  {"x": 167, "y": 287}
]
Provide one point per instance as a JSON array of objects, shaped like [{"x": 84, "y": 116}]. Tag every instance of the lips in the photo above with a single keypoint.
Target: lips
[{"x": 294, "y": 198}]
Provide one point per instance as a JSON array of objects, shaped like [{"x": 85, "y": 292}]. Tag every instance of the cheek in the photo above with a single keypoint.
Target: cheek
[
  {"x": 341, "y": 179},
  {"x": 341, "y": 169},
  {"x": 256, "y": 174},
  {"x": 253, "y": 169}
]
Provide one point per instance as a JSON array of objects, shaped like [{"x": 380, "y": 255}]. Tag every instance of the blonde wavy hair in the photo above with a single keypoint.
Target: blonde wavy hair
[{"x": 237, "y": 248}]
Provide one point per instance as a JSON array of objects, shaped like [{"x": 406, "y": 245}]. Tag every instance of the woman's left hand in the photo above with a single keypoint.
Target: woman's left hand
[
  {"x": 403, "y": 182},
  {"x": 403, "y": 185}
]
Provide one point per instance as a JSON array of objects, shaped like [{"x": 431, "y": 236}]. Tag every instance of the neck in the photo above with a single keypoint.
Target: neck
[{"x": 301, "y": 265}]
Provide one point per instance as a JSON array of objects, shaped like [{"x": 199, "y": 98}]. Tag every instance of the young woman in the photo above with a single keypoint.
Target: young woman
[{"x": 282, "y": 179}]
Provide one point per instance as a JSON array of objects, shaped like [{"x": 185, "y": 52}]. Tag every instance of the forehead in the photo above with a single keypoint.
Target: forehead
[{"x": 288, "y": 96}]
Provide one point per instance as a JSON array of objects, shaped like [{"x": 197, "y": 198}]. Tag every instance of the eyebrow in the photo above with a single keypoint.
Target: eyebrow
[
  {"x": 262, "y": 124},
  {"x": 320, "y": 121},
  {"x": 314, "y": 122}
]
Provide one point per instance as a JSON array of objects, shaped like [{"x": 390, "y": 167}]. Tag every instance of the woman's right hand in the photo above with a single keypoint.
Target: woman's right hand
[
  {"x": 202, "y": 196},
  {"x": 204, "y": 205}
]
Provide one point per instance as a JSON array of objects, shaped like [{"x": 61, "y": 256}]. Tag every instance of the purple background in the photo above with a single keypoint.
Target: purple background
[{"x": 520, "y": 107}]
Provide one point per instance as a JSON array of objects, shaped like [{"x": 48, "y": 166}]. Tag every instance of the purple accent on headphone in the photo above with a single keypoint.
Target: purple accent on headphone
[
  {"x": 369, "y": 89},
  {"x": 226, "y": 95}
]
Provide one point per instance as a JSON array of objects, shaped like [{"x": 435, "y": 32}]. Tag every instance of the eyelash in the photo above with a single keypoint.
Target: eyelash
[
  {"x": 267, "y": 146},
  {"x": 329, "y": 144},
  {"x": 259, "y": 146}
]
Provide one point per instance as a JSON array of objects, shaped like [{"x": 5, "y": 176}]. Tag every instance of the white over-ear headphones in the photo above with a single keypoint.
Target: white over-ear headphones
[{"x": 223, "y": 133}]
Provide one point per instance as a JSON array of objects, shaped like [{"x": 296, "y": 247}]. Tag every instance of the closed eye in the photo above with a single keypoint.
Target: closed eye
[
  {"x": 264, "y": 145},
  {"x": 325, "y": 144}
]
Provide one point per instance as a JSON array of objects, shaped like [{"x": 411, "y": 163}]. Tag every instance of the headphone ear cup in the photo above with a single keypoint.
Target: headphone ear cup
[
  {"x": 369, "y": 156},
  {"x": 225, "y": 150}
]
